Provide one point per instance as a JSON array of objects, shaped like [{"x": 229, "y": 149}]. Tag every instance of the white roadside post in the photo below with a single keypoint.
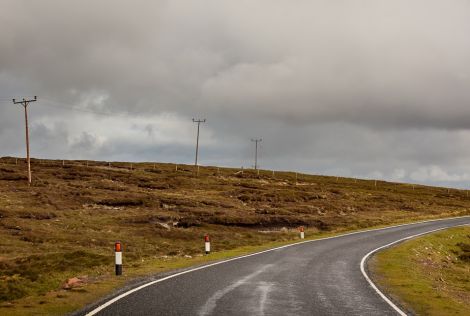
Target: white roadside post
[
  {"x": 118, "y": 252},
  {"x": 302, "y": 233},
  {"x": 207, "y": 244}
]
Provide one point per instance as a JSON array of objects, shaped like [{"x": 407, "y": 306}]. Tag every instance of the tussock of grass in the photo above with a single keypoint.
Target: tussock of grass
[
  {"x": 464, "y": 252},
  {"x": 160, "y": 214},
  {"x": 31, "y": 275},
  {"x": 429, "y": 275}
]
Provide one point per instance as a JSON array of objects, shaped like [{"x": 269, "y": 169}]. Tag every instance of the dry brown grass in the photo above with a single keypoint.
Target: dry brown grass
[{"x": 68, "y": 220}]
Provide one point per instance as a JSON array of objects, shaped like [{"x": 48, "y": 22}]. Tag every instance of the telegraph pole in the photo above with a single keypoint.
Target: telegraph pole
[
  {"x": 256, "y": 141},
  {"x": 198, "y": 121},
  {"x": 25, "y": 104}
]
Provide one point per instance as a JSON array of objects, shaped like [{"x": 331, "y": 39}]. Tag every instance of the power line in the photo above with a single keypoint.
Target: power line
[
  {"x": 9, "y": 98},
  {"x": 25, "y": 104},
  {"x": 74, "y": 107},
  {"x": 198, "y": 121},
  {"x": 69, "y": 106}
]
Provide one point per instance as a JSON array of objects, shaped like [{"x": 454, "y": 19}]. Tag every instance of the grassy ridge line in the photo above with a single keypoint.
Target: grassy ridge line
[
  {"x": 428, "y": 275},
  {"x": 65, "y": 225}
]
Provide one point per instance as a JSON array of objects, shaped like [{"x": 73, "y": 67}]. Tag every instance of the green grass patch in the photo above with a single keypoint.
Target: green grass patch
[{"x": 429, "y": 275}]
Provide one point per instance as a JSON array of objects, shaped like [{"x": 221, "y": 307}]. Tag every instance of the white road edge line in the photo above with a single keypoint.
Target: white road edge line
[
  {"x": 372, "y": 284},
  {"x": 117, "y": 298}
]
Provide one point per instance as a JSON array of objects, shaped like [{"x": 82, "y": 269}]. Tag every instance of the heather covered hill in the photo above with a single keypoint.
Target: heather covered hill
[{"x": 65, "y": 224}]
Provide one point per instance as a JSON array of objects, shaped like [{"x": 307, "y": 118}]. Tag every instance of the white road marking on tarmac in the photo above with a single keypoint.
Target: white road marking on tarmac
[{"x": 264, "y": 288}]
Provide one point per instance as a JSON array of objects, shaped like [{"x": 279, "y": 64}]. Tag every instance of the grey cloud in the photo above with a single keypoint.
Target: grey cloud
[
  {"x": 373, "y": 64},
  {"x": 332, "y": 86}
]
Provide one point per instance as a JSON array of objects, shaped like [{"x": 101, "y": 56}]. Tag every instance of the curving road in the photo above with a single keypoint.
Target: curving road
[{"x": 321, "y": 277}]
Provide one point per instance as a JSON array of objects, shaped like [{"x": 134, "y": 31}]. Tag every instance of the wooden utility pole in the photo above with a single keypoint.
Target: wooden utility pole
[
  {"x": 256, "y": 141},
  {"x": 25, "y": 104},
  {"x": 197, "y": 138}
]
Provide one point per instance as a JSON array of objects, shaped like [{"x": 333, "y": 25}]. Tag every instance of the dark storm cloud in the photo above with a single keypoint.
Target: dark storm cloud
[{"x": 383, "y": 83}]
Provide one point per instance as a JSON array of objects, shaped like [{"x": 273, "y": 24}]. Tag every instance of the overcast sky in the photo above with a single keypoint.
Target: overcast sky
[{"x": 370, "y": 88}]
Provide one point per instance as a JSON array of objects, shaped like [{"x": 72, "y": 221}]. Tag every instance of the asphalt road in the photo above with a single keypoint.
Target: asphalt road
[{"x": 321, "y": 277}]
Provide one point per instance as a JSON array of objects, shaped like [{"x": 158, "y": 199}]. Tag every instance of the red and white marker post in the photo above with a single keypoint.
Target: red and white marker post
[
  {"x": 302, "y": 232},
  {"x": 207, "y": 244},
  {"x": 118, "y": 252}
]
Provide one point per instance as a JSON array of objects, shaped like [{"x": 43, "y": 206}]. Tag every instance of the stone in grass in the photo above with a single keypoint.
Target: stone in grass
[{"x": 74, "y": 282}]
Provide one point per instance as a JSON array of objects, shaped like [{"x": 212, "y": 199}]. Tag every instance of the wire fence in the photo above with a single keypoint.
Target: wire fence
[{"x": 283, "y": 177}]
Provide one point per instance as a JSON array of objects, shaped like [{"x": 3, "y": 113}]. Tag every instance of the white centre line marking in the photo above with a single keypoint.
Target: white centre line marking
[{"x": 211, "y": 303}]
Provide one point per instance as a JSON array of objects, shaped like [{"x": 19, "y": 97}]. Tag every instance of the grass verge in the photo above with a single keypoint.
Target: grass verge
[{"x": 428, "y": 275}]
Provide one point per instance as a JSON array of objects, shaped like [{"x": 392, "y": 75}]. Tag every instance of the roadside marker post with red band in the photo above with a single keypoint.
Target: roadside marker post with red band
[
  {"x": 118, "y": 253},
  {"x": 207, "y": 244},
  {"x": 302, "y": 233}
]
